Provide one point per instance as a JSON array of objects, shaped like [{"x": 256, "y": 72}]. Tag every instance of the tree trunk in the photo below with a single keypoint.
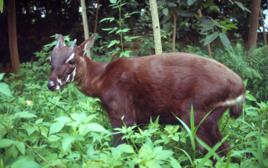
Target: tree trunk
[
  {"x": 84, "y": 18},
  {"x": 156, "y": 27},
  {"x": 12, "y": 35},
  {"x": 174, "y": 32},
  {"x": 253, "y": 24}
]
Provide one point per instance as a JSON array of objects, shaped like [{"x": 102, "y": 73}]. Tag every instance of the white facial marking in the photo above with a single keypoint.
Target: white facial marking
[
  {"x": 73, "y": 74},
  {"x": 51, "y": 83},
  {"x": 70, "y": 58},
  {"x": 68, "y": 78},
  {"x": 57, "y": 87},
  {"x": 59, "y": 81}
]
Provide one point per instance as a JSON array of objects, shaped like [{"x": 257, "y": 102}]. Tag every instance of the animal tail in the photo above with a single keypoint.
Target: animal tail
[{"x": 236, "y": 105}]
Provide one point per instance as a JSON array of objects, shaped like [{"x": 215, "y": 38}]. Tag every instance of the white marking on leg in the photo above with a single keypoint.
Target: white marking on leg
[{"x": 231, "y": 102}]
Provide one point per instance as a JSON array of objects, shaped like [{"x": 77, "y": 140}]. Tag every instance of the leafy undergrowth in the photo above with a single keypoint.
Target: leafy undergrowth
[{"x": 39, "y": 128}]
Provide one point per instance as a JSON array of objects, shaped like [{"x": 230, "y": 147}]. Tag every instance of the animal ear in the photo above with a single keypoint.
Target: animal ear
[
  {"x": 60, "y": 41},
  {"x": 87, "y": 45}
]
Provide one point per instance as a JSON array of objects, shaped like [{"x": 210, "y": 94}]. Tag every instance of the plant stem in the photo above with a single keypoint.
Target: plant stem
[{"x": 120, "y": 27}]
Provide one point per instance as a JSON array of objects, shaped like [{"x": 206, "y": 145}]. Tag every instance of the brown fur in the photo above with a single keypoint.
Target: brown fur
[
  {"x": 137, "y": 89},
  {"x": 151, "y": 86}
]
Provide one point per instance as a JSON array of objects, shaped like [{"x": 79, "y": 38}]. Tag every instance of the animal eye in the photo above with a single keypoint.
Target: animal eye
[{"x": 72, "y": 61}]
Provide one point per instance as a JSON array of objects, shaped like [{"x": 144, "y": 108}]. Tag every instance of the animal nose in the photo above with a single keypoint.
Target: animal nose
[{"x": 51, "y": 85}]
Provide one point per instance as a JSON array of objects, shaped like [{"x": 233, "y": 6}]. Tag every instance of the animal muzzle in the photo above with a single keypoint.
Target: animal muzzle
[
  {"x": 53, "y": 85},
  {"x": 57, "y": 84}
]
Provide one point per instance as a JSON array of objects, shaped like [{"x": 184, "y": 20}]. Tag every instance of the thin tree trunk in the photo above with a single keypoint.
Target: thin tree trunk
[
  {"x": 264, "y": 29},
  {"x": 84, "y": 18},
  {"x": 174, "y": 32},
  {"x": 156, "y": 27},
  {"x": 208, "y": 46},
  {"x": 253, "y": 24},
  {"x": 96, "y": 17},
  {"x": 12, "y": 35}
]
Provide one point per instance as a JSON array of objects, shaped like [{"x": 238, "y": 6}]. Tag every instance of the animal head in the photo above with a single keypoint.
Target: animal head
[{"x": 64, "y": 61}]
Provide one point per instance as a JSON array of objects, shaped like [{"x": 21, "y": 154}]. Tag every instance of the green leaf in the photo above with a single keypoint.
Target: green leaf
[
  {"x": 174, "y": 163},
  {"x": 4, "y": 89},
  {"x": 109, "y": 19},
  {"x": 25, "y": 114},
  {"x": 190, "y": 2},
  {"x": 225, "y": 41},
  {"x": 125, "y": 148},
  {"x": 1, "y": 74},
  {"x": 25, "y": 162},
  {"x": 4, "y": 143},
  {"x": 250, "y": 97},
  {"x": 112, "y": 43},
  {"x": 21, "y": 147},
  {"x": 96, "y": 128},
  {"x": 241, "y": 6},
  {"x": 165, "y": 11},
  {"x": 67, "y": 143},
  {"x": 208, "y": 39},
  {"x": 1, "y": 7},
  {"x": 56, "y": 127},
  {"x": 113, "y": 1}
]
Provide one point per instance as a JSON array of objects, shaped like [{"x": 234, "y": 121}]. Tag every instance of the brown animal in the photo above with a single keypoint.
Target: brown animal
[{"x": 158, "y": 85}]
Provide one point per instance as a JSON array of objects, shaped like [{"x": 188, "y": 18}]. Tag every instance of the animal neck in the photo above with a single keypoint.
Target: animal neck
[{"x": 88, "y": 73}]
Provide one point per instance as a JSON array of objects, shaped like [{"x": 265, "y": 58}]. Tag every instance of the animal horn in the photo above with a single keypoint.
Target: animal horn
[
  {"x": 73, "y": 43},
  {"x": 60, "y": 40}
]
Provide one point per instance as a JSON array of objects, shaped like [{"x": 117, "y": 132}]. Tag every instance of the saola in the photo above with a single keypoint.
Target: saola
[{"x": 133, "y": 90}]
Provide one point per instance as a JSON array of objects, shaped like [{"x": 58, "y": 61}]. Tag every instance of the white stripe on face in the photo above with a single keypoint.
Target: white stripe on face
[
  {"x": 73, "y": 74},
  {"x": 70, "y": 58},
  {"x": 59, "y": 81},
  {"x": 57, "y": 87},
  {"x": 68, "y": 78}
]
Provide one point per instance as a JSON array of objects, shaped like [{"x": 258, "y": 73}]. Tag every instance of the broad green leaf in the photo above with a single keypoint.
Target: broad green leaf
[
  {"x": 56, "y": 127},
  {"x": 21, "y": 147},
  {"x": 25, "y": 162},
  {"x": 1, "y": 8},
  {"x": 53, "y": 138},
  {"x": 209, "y": 38},
  {"x": 67, "y": 143},
  {"x": 250, "y": 97},
  {"x": 113, "y": 1},
  {"x": 1, "y": 74},
  {"x": 4, "y": 143},
  {"x": 125, "y": 148},
  {"x": 190, "y": 2},
  {"x": 25, "y": 114},
  {"x": 174, "y": 163},
  {"x": 112, "y": 43},
  {"x": 96, "y": 128},
  {"x": 4, "y": 89},
  {"x": 225, "y": 41},
  {"x": 63, "y": 119}
]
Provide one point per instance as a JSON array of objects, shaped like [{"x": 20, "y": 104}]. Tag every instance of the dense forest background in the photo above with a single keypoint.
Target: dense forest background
[{"x": 67, "y": 129}]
